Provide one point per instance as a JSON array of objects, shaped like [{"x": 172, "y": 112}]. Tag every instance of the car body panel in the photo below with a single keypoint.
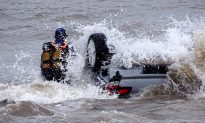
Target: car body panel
[{"x": 132, "y": 77}]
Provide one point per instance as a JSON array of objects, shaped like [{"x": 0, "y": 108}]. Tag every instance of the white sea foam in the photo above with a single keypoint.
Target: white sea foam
[
  {"x": 49, "y": 92},
  {"x": 174, "y": 45}
]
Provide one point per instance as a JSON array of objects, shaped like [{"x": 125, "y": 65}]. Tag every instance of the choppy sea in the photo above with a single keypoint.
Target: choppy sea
[{"x": 141, "y": 30}]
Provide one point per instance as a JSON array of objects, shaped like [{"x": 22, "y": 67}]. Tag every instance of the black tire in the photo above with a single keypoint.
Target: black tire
[{"x": 101, "y": 50}]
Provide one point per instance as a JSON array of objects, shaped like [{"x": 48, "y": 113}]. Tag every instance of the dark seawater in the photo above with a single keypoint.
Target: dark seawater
[{"x": 171, "y": 29}]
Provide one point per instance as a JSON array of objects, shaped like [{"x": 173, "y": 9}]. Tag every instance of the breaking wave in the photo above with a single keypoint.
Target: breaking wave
[{"x": 181, "y": 45}]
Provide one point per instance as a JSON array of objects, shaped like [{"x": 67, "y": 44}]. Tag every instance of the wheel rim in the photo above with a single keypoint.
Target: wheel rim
[{"x": 91, "y": 53}]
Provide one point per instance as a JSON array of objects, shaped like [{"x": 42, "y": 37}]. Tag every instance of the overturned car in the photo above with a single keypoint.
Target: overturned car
[{"x": 134, "y": 79}]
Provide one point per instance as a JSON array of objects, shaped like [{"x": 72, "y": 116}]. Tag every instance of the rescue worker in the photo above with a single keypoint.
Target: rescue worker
[
  {"x": 114, "y": 84},
  {"x": 116, "y": 78},
  {"x": 53, "y": 59}
]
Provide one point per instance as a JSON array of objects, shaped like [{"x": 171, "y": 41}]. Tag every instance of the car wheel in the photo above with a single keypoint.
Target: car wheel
[{"x": 97, "y": 51}]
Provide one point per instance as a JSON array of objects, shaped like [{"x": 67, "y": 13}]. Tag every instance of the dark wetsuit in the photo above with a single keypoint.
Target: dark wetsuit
[{"x": 117, "y": 78}]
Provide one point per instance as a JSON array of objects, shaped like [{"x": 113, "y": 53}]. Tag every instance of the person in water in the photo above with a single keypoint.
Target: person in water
[
  {"x": 61, "y": 44},
  {"x": 116, "y": 78},
  {"x": 54, "y": 56},
  {"x": 114, "y": 84}
]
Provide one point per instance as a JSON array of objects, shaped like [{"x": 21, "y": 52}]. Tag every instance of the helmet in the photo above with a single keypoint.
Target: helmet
[
  {"x": 60, "y": 32},
  {"x": 60, "y": 35},
  {"x": 117, "y": 73}
]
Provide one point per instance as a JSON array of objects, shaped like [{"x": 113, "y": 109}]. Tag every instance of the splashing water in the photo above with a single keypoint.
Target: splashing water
[
  {"x": 174, "y": 45},
  {"x": 22, "y": 70},
  {"x": 187, "y": 71},
  {"x": 177, "y": 47},
  {"x": 180, "y": 43},
  {"x": 49, "y": 92},
  {"x": 199, "y": 54}
]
